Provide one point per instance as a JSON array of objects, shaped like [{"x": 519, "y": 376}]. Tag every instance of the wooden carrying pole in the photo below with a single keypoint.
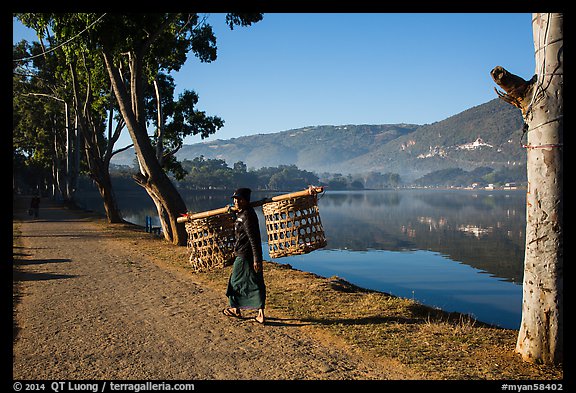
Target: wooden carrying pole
[{"x": 309, "y": 191}]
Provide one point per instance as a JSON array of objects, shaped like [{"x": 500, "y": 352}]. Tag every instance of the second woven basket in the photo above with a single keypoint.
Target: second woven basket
[{"x": 293, "y": 226}]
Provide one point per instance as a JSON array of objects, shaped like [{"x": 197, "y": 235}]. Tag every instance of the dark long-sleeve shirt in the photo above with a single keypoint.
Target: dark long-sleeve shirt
[{"x": 247, "y": 232}]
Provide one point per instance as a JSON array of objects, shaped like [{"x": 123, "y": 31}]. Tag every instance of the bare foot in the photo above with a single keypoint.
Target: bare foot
[
  {"x": 260, "y": 317},
  {"x": 232, "y": 312}
]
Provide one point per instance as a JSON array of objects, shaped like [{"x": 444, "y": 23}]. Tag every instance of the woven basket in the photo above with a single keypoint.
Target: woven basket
[
  {"x": 293, "y": 226},
  {"x": 211, "y": 241}
]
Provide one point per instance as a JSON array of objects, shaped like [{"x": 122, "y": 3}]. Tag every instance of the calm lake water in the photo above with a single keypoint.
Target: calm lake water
[{"x": 457, "y": 250}]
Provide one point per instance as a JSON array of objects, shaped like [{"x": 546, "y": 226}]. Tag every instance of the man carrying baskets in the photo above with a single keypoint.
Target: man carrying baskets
[{"x": 246, "y": 288}]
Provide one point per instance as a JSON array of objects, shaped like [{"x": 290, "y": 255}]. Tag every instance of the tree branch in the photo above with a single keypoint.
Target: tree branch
[
  {"x": 122, "y": 149},
  {"x": 518, "y": 92}
]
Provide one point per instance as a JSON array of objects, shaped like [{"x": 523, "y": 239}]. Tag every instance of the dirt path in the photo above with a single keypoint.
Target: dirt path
[{"x": 91, "y": 305}]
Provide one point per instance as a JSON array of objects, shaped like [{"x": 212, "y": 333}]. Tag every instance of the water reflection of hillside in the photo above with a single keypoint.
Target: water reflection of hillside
[{"x": 485, "y": 231}]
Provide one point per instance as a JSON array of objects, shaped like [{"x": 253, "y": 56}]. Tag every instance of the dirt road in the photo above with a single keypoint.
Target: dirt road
[{"x": 89, "y": 304}]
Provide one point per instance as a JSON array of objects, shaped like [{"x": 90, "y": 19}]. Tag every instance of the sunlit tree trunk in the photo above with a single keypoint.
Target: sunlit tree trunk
[
  {"x": 152, "y": 177},
  {"x": 540, "y": 338}
]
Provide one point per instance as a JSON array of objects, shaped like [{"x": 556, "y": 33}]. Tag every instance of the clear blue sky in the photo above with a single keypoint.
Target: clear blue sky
[{"x": 304, "y": 69}]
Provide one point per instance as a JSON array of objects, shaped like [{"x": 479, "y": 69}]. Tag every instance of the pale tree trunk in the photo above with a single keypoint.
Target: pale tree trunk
[
  {"x": 540, "y": 337},
  {"x": 160, "y": 132},
  {"x": 98, "y": 163}
]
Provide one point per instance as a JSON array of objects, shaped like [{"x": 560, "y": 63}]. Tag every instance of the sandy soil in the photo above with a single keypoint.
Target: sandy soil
[{"x": 90, "y": 304}]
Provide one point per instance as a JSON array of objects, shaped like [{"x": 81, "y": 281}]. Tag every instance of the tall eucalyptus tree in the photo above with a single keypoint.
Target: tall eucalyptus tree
[{"x": 540, "y": 99}]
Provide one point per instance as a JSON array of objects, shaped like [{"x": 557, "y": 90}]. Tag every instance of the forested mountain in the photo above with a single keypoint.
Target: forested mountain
[{"x": 487, "y": 135}]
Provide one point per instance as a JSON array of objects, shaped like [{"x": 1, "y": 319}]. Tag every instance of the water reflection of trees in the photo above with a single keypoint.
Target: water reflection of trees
[{"x": 363, "y": 198}]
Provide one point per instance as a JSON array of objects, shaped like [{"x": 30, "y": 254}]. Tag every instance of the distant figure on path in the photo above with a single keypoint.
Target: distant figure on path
[
  {"x": 34, "y": 206},
  {"x": 246, "y": 288}
]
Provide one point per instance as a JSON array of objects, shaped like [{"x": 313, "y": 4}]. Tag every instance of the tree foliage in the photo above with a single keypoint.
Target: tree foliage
[{"x": 205, "y": 174}]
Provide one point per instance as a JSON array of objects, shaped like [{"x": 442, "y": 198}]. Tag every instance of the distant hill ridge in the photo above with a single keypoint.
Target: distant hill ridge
[{"x": 485, "y": 135}]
